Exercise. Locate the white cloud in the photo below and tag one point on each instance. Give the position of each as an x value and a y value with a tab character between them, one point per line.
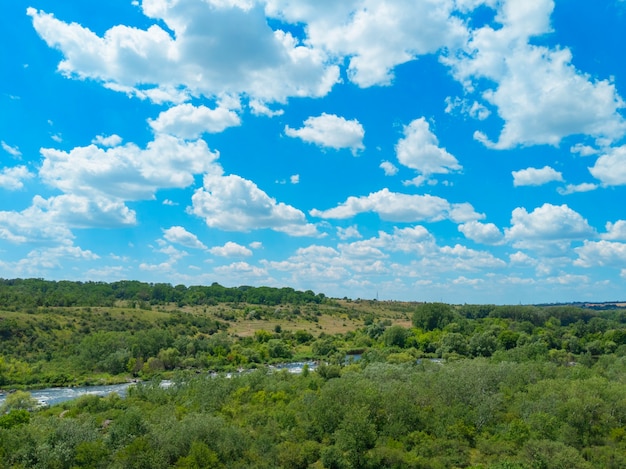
462	258
97	181
535	176
13	151
231	249
50	258
548	223
50	219
84	211
216	48
241	272
574	188
261	109
601	253
320	264
329	130
232	203
294	179
375	36
610	167
179	235
522	258
414	240
474	109
127	172
189	122
389	168
539	94
419	150
615	231
393	206
568	279
13	178
107	141
349	232
173	254
583	150
485	233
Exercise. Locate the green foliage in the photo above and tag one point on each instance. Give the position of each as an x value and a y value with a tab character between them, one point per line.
395	336
14	417
518	386
430	316
18	400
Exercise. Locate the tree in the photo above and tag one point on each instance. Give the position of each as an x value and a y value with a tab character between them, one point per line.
19	400
431	316
355	435
395	336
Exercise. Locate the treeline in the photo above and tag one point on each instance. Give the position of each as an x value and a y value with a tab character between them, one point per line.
24	293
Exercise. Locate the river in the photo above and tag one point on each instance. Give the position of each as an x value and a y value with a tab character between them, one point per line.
52	396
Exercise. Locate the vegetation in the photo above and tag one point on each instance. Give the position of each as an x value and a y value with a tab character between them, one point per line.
433	385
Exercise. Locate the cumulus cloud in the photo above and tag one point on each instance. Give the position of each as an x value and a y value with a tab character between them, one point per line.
233	203
601	253
389	168
261	109
583	150
349	232
610	167
485	233
329	130
55	257
535	176
96	182
127	172
179	235
13	178
50	219
294	179
84	211
419	150
189	122
521	258
374	36
539	94
615	231
107	141
215	48
416	240
231	249
393	206
240	272
32	224
574	188
547	223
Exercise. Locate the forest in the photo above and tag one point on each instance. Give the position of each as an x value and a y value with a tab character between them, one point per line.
397	384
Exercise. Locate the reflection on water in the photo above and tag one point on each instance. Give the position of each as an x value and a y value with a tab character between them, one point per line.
52	396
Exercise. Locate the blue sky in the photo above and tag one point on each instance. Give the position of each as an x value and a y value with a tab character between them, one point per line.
431	150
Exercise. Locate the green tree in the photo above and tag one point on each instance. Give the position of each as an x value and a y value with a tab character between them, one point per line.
19	400
431	316
395	336
355	435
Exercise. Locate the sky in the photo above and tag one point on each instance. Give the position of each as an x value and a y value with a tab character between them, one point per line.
464	151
